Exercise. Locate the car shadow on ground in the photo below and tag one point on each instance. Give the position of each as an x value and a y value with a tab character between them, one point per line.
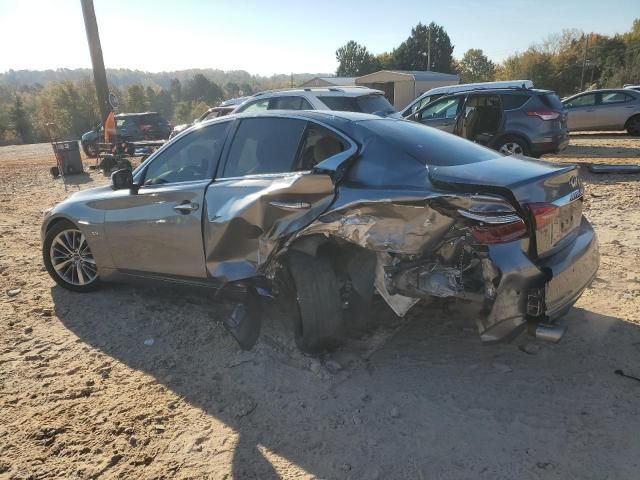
426	398
77	179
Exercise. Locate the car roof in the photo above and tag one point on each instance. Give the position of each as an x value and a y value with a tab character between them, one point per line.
501	91
350	91
139	114
605	90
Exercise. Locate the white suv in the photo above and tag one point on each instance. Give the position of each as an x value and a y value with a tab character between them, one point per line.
348	99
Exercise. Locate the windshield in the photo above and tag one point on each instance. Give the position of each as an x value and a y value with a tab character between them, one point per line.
374	103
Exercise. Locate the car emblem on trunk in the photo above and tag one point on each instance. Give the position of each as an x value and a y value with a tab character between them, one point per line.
573	181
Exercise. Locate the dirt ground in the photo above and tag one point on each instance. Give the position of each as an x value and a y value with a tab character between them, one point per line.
144	382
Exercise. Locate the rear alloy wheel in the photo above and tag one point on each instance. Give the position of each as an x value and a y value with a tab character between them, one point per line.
633	126
68	258
513	146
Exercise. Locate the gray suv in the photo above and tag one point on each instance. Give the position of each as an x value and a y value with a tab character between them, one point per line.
514	121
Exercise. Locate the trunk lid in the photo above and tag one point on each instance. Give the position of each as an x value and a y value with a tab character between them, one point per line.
525	183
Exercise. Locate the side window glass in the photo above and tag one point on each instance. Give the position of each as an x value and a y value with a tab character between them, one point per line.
190	158
289	103
614	97
258	106
264	145
319	144
441	110
583	101
511	102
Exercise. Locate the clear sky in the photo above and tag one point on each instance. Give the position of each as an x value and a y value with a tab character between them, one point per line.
267	37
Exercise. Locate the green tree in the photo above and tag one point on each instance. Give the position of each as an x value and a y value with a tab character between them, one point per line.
232	89
355	60
413	53
201	89
136	100
475	67
175	88
20	121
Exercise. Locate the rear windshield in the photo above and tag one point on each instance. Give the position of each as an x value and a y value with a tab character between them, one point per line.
375	103
551	100
428	145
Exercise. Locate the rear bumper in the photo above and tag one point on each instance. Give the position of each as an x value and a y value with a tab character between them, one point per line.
572	269
519	291
551	144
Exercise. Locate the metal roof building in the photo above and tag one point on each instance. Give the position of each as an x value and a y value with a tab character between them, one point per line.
330	82
402	86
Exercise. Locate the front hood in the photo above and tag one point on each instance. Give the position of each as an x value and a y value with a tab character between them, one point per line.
89	194
88	136
524	180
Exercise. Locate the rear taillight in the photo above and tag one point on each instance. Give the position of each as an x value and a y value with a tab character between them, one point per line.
543	213
499	233
545	114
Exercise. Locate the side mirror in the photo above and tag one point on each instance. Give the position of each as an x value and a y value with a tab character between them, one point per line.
122	179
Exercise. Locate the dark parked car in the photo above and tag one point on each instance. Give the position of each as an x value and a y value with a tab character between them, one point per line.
130	127
324	208
514	121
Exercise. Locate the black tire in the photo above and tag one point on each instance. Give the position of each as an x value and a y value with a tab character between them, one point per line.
55	172
107	164
90	150
53	232
513	145
318	327
633	126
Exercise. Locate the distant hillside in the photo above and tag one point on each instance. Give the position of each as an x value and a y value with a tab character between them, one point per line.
121	77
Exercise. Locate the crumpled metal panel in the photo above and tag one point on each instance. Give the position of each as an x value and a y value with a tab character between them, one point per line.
246	218
385	226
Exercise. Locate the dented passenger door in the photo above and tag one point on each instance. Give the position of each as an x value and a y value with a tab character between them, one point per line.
278	177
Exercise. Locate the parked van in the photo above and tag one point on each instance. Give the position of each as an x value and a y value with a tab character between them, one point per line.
435	93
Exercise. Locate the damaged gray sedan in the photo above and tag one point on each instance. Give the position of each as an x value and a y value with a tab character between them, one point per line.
329	209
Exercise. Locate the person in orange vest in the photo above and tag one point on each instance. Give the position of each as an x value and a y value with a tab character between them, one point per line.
110	132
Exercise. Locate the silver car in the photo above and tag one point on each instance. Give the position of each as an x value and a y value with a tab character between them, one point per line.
321	208
610	109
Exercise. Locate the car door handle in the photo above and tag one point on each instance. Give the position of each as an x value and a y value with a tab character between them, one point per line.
186	207
290	205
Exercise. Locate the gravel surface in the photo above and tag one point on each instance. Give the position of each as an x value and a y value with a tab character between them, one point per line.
144	382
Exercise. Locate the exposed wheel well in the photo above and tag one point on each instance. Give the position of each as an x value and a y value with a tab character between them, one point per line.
502	136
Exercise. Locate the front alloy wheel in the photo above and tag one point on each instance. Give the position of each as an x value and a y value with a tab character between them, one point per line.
68	258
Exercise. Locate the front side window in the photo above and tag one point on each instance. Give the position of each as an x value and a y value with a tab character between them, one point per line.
190	158
319	144
264	145
444	109
587	100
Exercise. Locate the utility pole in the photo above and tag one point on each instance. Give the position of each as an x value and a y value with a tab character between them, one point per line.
99	73
429	50
584	61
